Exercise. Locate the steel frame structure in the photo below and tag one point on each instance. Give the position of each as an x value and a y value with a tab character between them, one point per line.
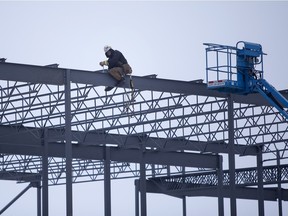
58	126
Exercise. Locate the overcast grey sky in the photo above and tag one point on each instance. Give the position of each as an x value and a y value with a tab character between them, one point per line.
164	38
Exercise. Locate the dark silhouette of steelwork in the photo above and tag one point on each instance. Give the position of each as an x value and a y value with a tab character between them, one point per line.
58	126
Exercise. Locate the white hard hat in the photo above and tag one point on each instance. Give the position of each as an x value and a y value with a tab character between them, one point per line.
107	48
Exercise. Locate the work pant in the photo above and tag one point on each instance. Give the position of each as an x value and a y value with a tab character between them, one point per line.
119	72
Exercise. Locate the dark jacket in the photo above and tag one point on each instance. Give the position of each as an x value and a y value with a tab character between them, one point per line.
116	59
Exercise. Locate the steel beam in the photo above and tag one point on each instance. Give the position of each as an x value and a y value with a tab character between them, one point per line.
220	176
45	171
231	156
279	189
240	193
184	206
261	208
15	198
39	206
143	197
20	176
269	194
28	136
118	154
31	73
55	76
107	182
68	145
136	184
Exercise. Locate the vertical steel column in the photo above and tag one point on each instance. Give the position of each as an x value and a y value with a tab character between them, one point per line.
153	170
143	186
45	191
260	183
39	199
184	198
136	182
231	156
68	145
184	205
168	171
107	183
279	185
220	186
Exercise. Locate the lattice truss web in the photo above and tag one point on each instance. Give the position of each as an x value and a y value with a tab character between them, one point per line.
146	114
244	177
83	170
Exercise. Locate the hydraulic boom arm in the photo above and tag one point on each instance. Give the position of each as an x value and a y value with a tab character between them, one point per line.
274	97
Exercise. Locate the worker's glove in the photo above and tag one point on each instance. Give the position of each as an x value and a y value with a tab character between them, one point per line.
102	63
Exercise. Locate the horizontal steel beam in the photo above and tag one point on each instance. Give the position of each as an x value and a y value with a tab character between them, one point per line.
269	194
20	176
31	73
92	152
55	76
32	137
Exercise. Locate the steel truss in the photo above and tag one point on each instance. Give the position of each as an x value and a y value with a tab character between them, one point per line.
167	121
24	168
244	177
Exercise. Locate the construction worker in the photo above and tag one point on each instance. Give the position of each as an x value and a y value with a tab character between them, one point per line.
117	64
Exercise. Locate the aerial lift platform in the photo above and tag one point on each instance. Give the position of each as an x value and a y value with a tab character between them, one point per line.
239	70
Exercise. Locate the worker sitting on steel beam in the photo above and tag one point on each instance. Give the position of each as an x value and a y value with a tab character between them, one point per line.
117	64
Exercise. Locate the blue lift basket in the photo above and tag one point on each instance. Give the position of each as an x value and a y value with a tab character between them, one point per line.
239	70
234	69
